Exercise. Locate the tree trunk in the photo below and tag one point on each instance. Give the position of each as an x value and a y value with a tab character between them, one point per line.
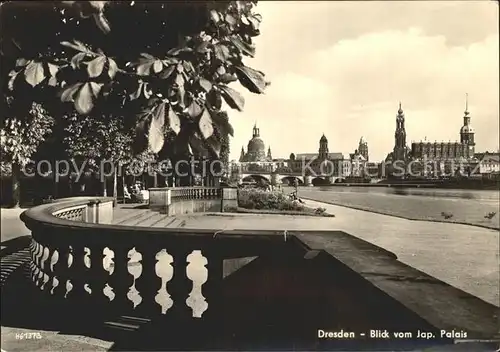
123	186
55	181
104	188
16	185
115	189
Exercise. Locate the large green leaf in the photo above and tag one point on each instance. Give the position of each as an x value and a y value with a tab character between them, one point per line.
95	67
194	109
221	52
157	66
84	99
77	59
144	66
174	121
205	124
67	94
167	72
34	73
112	69
205	84
234	99
156	136
245	48
214	144
214	99
251	79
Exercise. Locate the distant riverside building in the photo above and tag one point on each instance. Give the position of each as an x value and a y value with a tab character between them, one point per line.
448	150
488	163
255	159
320	162
363	149
439	157
401	152
358	160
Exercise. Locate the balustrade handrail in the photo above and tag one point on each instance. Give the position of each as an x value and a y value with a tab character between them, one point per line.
45	215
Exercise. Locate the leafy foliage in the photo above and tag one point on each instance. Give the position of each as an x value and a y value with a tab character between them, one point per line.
165	67
253	198
102	138
223	137
22	130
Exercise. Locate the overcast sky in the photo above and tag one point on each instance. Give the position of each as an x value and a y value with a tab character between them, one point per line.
341	68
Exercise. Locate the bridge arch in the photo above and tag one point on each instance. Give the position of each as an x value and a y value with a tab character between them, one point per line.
290	179
320	181
256	178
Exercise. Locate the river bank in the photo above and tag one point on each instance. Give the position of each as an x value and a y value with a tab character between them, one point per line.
462	209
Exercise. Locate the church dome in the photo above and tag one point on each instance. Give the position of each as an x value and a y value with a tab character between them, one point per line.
256	145
323	139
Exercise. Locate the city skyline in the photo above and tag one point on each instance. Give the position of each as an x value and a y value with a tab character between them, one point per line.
428	56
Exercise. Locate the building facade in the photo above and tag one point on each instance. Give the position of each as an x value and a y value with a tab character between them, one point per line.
448	150
321	163
428	159
488	163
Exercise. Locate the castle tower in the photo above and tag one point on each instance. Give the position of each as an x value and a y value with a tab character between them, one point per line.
467	132
399	152
323	148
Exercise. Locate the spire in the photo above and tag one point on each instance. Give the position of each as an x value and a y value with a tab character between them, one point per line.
400	110
242	155
466	104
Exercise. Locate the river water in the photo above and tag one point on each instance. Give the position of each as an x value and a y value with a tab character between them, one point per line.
474	207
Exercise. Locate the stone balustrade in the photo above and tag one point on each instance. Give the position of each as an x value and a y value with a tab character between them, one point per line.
185	200
77	254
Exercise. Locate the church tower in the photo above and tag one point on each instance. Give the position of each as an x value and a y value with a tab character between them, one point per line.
467	132
269	155
323	148
242	155
363	148
399	152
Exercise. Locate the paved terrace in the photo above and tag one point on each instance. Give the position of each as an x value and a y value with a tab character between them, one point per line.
463	256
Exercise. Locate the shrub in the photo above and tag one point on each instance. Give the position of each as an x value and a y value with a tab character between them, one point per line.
258	199
319	211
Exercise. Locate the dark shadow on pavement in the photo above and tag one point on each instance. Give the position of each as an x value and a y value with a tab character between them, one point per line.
14	245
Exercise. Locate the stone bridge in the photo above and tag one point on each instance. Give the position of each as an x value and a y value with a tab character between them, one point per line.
284	178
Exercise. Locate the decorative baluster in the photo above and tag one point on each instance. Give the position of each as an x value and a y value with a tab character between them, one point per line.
61	270
121	280
212	288
46	276
98	275
148	284
180	286
78	274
